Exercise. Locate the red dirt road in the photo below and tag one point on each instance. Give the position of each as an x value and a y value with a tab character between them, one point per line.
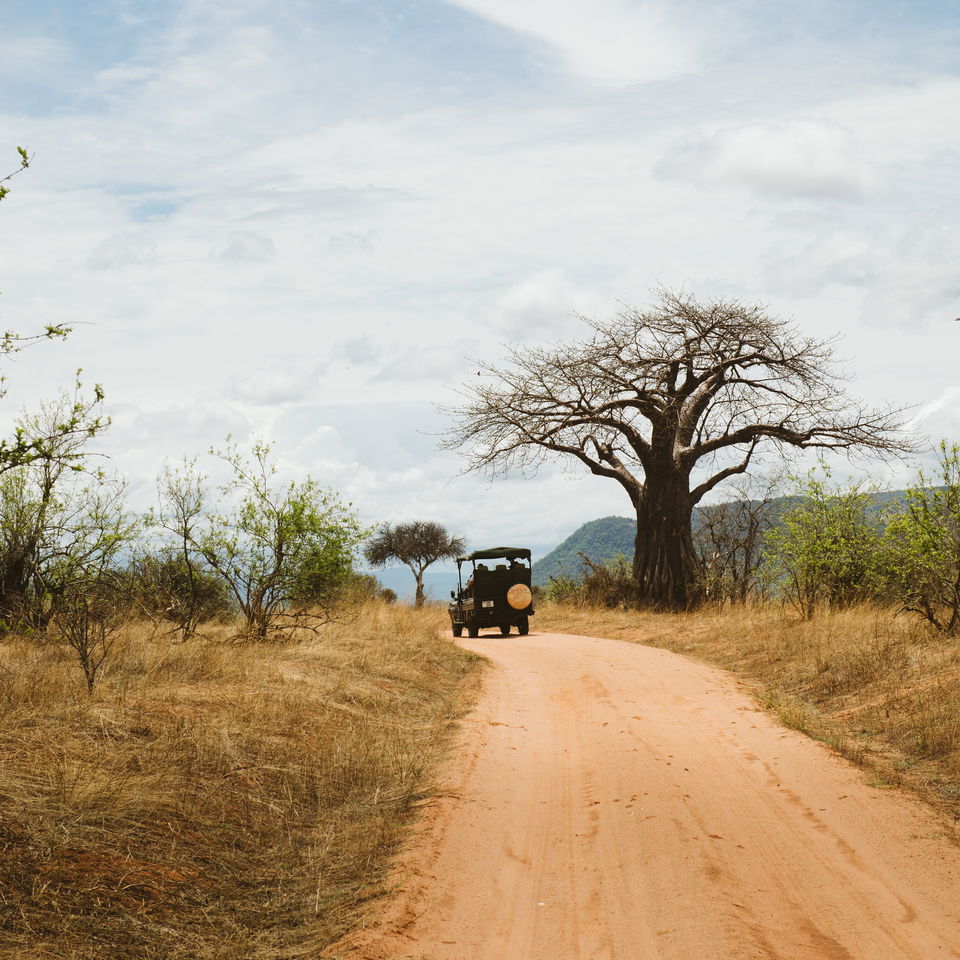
609	801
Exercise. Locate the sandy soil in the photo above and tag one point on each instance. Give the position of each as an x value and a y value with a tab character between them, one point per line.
609	800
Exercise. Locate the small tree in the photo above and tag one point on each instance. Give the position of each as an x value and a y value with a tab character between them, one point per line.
283	552
176	583
83	598
826	549
923	545
417	544
87	542
36	498
729	541
87	618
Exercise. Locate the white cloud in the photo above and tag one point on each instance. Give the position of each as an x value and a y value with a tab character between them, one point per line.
434	362
800	158
941	416
139	441
246	246
274	385
351	241
128	248
546	305
618	42
358	351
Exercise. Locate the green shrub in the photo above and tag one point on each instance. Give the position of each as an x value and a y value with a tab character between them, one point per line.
923	545
826	550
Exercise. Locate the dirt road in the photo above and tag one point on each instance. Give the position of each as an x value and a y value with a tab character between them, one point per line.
612	801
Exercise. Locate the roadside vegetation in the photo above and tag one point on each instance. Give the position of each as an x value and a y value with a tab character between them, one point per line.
213	730
215	798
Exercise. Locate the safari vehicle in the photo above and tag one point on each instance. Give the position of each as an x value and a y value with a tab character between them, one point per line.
496	594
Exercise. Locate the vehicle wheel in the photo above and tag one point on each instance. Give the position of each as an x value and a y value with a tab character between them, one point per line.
458	629
473	631
504	629
523	627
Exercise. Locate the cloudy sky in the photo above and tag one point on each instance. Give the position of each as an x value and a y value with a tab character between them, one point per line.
308	219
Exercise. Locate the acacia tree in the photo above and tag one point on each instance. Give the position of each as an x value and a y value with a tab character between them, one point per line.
418	544
669	402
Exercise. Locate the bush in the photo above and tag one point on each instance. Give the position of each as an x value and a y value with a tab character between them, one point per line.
608	584
87	618
826	550
363	587
923	545
166	586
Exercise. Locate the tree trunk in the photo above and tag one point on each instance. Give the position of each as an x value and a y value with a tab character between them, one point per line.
665	564
420	598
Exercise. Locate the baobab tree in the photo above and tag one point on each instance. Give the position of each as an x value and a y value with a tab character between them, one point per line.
417	544
668	402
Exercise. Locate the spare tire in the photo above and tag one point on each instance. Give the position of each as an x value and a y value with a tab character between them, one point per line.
519	596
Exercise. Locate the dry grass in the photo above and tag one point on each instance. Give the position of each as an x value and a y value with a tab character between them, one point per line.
883	690
214	799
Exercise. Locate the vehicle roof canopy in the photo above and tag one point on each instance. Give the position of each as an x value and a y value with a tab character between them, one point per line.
508	553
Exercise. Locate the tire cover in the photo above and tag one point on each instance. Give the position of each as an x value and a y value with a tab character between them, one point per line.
519	596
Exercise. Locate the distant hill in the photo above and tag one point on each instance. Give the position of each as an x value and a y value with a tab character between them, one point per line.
607	538
600	540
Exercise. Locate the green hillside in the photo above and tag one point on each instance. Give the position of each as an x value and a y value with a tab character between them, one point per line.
600	540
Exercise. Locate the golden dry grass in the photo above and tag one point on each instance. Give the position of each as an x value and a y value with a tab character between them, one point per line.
884	690
215	799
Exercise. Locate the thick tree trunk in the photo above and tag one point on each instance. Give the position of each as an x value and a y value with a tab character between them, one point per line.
665	564
420	598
